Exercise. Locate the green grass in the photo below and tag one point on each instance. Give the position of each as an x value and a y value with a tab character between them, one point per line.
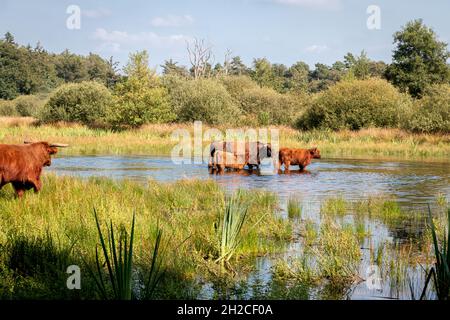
440	271
185	210
335	206
229	230
294	208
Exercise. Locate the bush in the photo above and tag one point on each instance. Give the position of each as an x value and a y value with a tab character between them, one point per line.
7	108
135	108
86	102
205	100
28	106
431	114
268	107
356	104
237	85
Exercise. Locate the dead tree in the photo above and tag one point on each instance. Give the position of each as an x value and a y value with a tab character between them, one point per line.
200	57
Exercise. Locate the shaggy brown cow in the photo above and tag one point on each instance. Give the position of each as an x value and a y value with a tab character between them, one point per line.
21	165
297	157
253	152
227	160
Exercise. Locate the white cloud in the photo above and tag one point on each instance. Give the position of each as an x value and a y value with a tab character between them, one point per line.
322	4
316	48
95	13
172	21
116	40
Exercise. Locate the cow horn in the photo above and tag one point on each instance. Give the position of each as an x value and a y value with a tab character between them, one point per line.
59	145
28	142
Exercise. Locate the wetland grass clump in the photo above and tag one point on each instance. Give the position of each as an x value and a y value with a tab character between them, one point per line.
338	253
335	206
235	215
330	262
294	208
440	271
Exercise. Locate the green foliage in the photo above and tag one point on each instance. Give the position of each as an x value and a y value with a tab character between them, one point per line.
29	106
7	108
266	106
86	102
419	59
356	104
431	114
206	100
140	98
25	70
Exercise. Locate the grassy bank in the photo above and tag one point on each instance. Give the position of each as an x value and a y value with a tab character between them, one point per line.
156	140
43	234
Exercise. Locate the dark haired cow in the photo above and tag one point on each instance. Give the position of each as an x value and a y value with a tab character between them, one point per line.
297	157
249	153
21	165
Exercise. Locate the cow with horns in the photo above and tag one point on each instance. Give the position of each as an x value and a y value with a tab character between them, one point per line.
21	165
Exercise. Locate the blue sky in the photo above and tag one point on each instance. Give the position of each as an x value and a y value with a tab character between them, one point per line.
284	31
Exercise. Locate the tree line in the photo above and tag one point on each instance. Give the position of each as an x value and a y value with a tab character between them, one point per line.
412	91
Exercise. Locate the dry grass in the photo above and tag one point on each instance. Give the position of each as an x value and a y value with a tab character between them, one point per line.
156	139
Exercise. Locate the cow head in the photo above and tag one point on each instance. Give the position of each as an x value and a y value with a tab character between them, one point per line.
46	150
315	153
265	150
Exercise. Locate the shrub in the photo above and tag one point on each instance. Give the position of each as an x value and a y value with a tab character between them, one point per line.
356	104
206	100
86	102
431	114
136	105
140	98
237	85
28	106
7	108
267	106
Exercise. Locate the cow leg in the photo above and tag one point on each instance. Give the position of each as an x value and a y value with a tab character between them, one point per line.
19	188
286	166
37	185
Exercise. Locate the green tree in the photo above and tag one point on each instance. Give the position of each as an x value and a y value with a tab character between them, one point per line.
419	59
140	98
71	67
298	77
263	72
171	67
237	67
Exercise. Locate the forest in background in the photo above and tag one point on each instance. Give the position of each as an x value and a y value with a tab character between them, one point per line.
412	92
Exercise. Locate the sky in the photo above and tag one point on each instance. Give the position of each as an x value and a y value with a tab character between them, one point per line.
283	31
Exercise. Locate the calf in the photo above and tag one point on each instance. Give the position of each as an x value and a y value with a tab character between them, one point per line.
223	160
297	157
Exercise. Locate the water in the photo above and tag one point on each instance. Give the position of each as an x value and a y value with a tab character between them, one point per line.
410	182
413	184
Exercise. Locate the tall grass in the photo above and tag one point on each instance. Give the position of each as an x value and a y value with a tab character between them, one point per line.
187	210
156	139
235	215
293	208
440	272
118	258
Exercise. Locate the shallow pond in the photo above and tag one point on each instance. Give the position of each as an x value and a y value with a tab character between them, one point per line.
412	184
